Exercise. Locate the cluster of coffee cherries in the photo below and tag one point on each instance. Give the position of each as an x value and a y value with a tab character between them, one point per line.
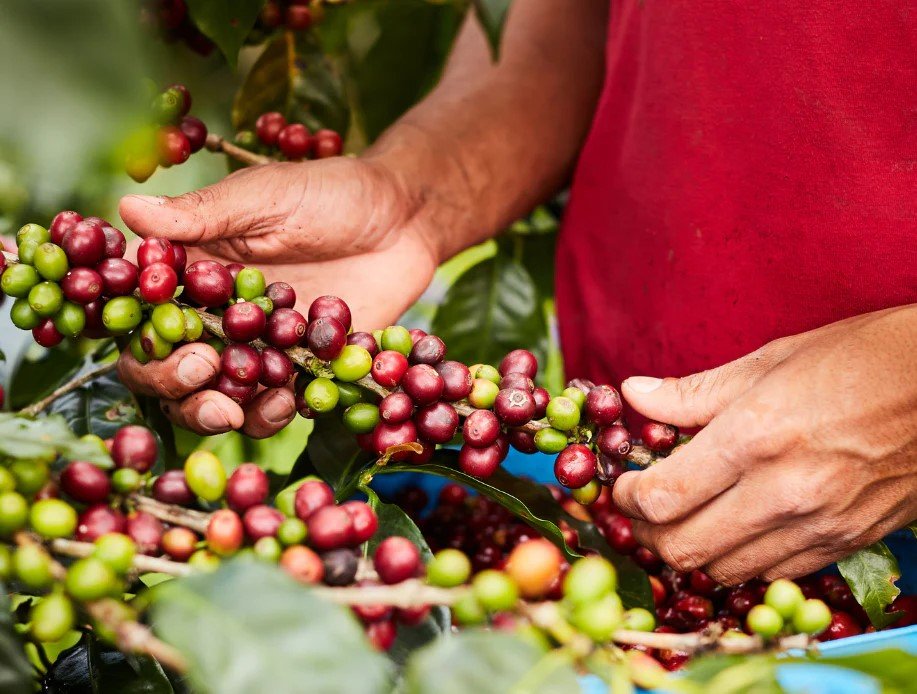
293	15
177	135
170	20
274	135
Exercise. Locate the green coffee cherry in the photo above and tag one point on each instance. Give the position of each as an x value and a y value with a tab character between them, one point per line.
599	620
52	618
265	304
205	475
23	316
249	283
169	322
448	568
121	315
487	372
589	579
51	262
377	336
52	518
268	549
136	348
96	441
70	319
361	418
321	395
167	107
397	337
588	493
550	440
46	298
765	621
246	139
32	566
563	414
639	619
18	280
26	251
350	394
292	531
784	596
90	579
352	364
31	475
7	481
126	480
576	395
14	512
468	611
116	550
152	342
286	498
204	560
194	328
34	233
494	590
483	393
811	617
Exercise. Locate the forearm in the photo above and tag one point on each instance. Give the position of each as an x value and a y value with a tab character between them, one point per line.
494	139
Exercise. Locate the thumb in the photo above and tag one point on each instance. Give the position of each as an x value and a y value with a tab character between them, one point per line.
693	400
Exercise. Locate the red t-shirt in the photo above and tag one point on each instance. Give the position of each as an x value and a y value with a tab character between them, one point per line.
751	173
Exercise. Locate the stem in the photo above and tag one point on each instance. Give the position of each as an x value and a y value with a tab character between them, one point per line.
176	515
142	563
215	143
410	593
68	387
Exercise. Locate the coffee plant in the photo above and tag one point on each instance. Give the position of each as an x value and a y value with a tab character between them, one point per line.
136	557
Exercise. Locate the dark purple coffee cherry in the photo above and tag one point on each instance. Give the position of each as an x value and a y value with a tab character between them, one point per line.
196	132
364	340
134	447
172	488
115	243
119	276
522	441
277	368
82	285
285	328
330	307
456	380
281	294
659	437
429	349
609	469
614	441
481	429
242	363
603	405
396	408
208	284
423	384
437	423
85	482
244	322
514	406
237	392
517	380
542	398
519	361
481	462
575	466
84	244
326	337
340	567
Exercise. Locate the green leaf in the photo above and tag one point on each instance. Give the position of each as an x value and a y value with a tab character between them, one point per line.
487	662
91	667
492	16
893	669
331	453
100	407
33	379
491	309
45	438
15	672
871	574
284	641
225	22
533	504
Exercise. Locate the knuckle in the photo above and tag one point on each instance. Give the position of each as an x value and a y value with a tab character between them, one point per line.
726	575
656	503
678	554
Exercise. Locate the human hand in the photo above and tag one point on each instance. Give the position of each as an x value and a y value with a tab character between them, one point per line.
339	226
809	452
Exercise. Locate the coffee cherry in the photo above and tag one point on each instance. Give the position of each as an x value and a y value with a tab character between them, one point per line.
448	568
22	315
396	408
119	277
261	521
321	395
277	368
350	394
205	475
575	466
85	482
437	423
194	327
70	319
155	250
247	486
600	619
659	437
82	285
172	145
241	363
534	566
519	361
292	531
456	380
517	380
281	295
514	406
134	447
495	591
7	481
398	339
387	435
195	132
310	496
811	617
204	561
237	392
249	283
146	531
168	106
842	626
481	462
481	429
84	244
330	527
562	413
32	235
340	567
614	442
550	441
268	127
428	350
61	224
483	393
764	620
365	522
52	518
52	618
50	261
396	559
542	398
326	337
169	322
179	543
603	405
423	384
294	141
361	418
31	475
46	298
785	597
121	315
208	284
90	579
330	307
298	17
467	611
352	364
389	368
172	488
588	580
18	280
364	340
32	566
14	511
588	493
151	342
244	322
302	564
224	532
326	143
98	520
285	328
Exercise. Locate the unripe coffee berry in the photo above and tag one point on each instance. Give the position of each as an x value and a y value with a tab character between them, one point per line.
267	549
172	145
398	339
448	568
562	413
534	566
550	440
811	617
14	511
639	619
121	315
495	591
396	559
169	322
292	531
483	393
52	618
784	596
589	579
765	621
588	493
116	550
46	298
361	418
302	564
205	475
352	364
53	518
17	280
32	566
179	543
51	261
600	619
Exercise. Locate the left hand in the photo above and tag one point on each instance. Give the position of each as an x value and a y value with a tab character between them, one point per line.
809	452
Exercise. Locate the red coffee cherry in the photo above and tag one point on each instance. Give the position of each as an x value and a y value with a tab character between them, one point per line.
46	334
396	559
364	340
330	527
371	613
437	423
522	441
242	363
171	487
396	408
298	17
134	447
519	361
261	521
234	269
247	486
381	635
285	328
181	260
659	437
294	141
146	531
310	496
185	96
542	397
389	368
481	429
326	337
62	223
224	532
208	283
575	466
387	435
85	482
514	406
119	277
115	243
268	127
482	462
158	283
326	143
452	494
456	380
620	534
365	522
237	392
244	322
99	520
82	285
173	146
416	334
281	295
179	543
155	250
603	405
517	380
84	244
423	384
614	441
195	131
302	564
330	307
429	349
277	368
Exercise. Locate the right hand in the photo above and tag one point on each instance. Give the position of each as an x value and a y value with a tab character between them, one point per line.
341	226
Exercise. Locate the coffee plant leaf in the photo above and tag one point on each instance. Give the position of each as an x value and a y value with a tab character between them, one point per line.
15	672
34	378
90	667
894	671
283	641
492	16
225	23
871	574
99	407
533	504
45	438
487	662
491	309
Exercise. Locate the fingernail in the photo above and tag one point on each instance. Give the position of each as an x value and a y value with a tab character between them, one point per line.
643	384
277	408
212	417
194	370
153	200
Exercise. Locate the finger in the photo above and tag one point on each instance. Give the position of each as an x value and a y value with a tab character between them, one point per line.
187	369
763	554
269	412
802	564
679	484
205	412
